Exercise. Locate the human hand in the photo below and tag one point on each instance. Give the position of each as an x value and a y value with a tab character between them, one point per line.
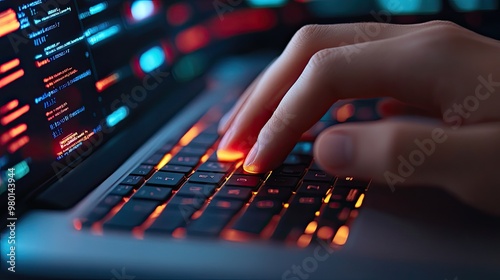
436	68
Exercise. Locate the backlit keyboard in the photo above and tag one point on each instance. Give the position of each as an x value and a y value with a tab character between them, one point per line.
183	190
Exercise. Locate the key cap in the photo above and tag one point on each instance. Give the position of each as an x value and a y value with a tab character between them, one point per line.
196	190
132	214
177	169
301	211
143	170
297	159
154	159
291	170
275	193
244	181
122	190
192	151
345	194
224	205
330	214
169	220
209	224
239	193
166	179
134	181
305	204
314	188
206	178
154	193
165	148
280	181
265	205
349	182
101	210
204	140
180	201
218	167
184	161
252	223
318	176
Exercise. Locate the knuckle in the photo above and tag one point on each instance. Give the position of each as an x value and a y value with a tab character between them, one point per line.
320	60
304	35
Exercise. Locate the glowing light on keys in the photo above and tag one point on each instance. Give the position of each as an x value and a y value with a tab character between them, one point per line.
410	6
142	9
192	39
13	133
229	156
16	114
117	116
267	3
110	80
190	135
360	201
9	106
9	65
12	77
311	227
22	168
8	22
341	236
164	161
325	232
152	59
304	240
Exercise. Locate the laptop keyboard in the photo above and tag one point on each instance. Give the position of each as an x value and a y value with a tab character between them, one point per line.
183	190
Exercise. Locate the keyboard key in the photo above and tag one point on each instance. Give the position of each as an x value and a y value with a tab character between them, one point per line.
165	148
301	211
261	205
314	189
184	161
192	151
244	181
204	140
155	193
122	190
331	213
209	224
154	159
134	181
177	169
349	182
280	181
143	170
196	190
275	193
166	179
252	223
305	204
169	220
132	214
318	176
291	170
219	167
345	194
303	148
206	178
239	193
224	205
181	201
297	160
102	209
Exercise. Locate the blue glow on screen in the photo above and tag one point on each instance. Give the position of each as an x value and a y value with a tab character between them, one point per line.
474	5
142	9
267	3
152	59
410	6
117	116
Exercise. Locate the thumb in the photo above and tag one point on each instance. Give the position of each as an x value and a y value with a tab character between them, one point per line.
404	152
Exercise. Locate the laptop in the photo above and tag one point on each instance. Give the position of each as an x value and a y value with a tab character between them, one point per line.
109	170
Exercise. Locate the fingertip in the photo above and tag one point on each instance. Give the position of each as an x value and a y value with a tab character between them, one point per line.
333	150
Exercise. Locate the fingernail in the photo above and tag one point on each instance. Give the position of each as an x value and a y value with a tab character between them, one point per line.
336	150
249	164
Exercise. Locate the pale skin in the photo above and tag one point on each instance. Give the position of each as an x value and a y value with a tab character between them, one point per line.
447	77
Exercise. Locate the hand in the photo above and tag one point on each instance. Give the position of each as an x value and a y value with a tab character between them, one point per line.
436	68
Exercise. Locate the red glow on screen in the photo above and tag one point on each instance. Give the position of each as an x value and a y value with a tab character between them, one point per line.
242	22
12	77
192	39
13	133
9	106
110	80
16	114
8	22
9	65
178	14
